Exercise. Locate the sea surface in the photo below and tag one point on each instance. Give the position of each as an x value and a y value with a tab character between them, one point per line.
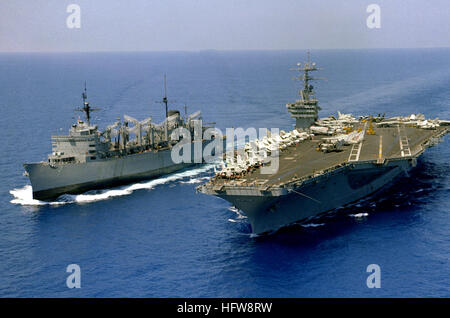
160	238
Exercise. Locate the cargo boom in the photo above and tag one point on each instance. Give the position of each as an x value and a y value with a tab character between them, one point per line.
89	159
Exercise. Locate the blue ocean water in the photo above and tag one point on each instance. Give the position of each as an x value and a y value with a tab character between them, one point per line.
161	239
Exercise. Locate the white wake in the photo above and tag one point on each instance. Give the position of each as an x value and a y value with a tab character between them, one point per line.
24	195
312	224
359	215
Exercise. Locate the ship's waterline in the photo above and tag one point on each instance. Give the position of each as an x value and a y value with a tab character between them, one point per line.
164	240
267	214
24	195
49	182
89	159
323	163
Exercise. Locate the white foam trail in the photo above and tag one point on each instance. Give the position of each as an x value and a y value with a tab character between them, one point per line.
239	214
359	215
24	196
312	224
195	180
231	220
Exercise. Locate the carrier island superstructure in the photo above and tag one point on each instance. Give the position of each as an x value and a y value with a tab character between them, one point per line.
323	163
89	159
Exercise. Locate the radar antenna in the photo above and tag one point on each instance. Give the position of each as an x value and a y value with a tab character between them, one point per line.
308	90
305	110
87	109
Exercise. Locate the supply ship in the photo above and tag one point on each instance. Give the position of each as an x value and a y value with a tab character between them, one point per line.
88	158
323	163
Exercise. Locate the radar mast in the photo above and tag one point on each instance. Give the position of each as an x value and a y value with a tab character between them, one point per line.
305	110
87	109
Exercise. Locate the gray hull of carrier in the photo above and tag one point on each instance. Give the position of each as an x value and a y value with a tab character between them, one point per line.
323	163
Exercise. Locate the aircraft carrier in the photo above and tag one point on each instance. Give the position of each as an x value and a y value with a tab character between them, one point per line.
88	158
323	163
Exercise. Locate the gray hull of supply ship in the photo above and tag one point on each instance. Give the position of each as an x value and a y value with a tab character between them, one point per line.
51	180
323	164
88	159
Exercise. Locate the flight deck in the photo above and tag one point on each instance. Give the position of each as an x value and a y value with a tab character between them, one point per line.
305	160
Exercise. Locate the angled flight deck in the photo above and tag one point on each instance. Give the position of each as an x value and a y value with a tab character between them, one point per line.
323	163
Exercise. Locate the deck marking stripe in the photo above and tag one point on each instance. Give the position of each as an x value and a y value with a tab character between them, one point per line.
358	152
380	150
404	143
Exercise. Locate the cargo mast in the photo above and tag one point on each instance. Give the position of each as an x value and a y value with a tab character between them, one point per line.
87	109
165	101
